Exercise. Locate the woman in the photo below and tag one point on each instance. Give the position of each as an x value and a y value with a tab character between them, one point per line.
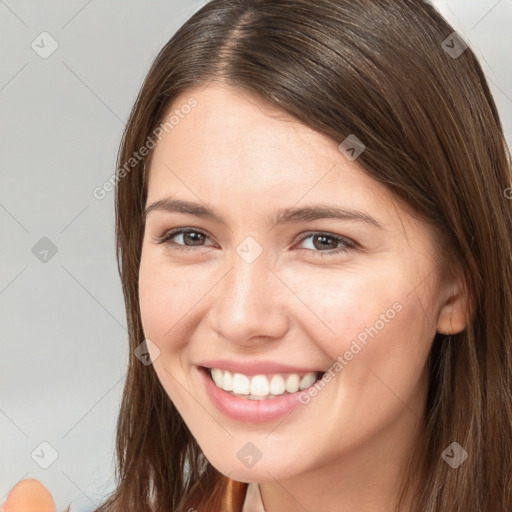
314	241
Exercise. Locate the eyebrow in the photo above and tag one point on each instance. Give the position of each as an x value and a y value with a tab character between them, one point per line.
284	215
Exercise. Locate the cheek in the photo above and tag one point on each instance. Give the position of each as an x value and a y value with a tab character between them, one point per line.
162	305
370	315
166	295
378	354
341	303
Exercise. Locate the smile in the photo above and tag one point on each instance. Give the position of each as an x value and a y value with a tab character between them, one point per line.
263	386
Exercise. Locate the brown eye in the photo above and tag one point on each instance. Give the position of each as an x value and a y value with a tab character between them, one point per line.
325	244
182	238
193	237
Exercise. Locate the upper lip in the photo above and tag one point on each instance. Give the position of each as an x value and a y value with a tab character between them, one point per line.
255	367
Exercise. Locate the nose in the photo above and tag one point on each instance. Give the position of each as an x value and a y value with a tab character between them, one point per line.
249	303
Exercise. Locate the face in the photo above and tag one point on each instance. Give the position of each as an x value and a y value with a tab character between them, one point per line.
237	281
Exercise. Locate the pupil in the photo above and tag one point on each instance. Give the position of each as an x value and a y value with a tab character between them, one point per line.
323	238
193	235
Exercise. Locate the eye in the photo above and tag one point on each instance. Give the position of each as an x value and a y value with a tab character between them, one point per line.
334	243
190	238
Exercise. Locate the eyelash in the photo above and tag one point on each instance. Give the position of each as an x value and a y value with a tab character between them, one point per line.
347	247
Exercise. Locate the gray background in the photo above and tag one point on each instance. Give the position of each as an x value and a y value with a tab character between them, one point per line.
63	328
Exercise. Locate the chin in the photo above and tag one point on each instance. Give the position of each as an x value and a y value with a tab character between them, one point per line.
262	471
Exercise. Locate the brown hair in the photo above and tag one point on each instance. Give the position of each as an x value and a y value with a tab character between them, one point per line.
377	69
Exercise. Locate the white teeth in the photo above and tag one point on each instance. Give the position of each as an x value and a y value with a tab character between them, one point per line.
241	384
307	380
277	385
217	376
227	382
258	387
292	383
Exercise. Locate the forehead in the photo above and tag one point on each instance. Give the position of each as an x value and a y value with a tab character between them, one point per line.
233	137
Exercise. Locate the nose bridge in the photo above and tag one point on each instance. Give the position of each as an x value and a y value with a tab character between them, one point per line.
247	304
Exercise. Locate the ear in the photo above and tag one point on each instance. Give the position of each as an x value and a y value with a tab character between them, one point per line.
453	314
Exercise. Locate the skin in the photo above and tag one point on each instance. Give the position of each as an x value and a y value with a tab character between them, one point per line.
346	448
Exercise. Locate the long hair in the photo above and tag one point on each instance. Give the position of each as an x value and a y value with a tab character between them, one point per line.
383	71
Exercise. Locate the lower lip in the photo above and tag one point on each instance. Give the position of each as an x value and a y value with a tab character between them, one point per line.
245	409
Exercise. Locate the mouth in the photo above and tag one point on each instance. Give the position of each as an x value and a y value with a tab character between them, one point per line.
262	386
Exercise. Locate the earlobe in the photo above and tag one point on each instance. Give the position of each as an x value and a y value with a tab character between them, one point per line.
452	317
